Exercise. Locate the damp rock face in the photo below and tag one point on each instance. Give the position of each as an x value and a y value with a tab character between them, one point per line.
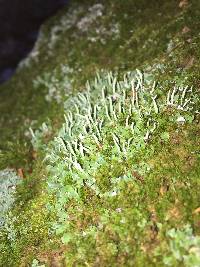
101	122
20	21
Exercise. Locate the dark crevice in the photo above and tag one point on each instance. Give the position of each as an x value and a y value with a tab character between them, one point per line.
20	21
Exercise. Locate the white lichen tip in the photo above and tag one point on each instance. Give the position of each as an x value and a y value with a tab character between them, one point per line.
180	120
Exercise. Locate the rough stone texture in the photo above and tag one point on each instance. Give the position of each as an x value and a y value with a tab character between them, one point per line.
147	212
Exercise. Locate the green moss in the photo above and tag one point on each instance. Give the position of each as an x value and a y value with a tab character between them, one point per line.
130	228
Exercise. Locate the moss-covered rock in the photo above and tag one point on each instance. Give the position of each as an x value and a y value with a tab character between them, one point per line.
115	181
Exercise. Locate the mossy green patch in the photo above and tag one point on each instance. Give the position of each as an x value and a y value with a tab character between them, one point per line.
109	205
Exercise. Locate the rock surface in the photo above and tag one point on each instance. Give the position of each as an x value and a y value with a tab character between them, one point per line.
101	124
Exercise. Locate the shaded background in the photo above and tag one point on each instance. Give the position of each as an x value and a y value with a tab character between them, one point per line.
19	25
